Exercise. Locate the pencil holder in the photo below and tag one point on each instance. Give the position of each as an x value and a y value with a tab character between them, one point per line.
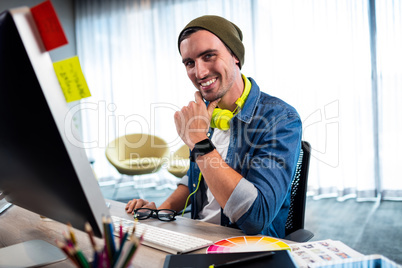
113	253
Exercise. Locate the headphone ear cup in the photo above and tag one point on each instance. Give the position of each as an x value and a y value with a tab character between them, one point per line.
221	119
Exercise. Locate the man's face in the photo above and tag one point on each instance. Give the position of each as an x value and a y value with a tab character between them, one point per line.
209	64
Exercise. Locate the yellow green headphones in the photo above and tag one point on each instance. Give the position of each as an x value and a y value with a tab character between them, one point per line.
221	117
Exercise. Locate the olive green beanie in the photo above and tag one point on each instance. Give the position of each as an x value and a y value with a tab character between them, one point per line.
227	31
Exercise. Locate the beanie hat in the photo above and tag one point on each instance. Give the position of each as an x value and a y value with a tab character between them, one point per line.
225	30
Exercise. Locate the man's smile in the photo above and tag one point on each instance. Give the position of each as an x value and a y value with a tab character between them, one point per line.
208	83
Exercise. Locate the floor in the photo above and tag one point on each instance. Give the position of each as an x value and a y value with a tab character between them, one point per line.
367	227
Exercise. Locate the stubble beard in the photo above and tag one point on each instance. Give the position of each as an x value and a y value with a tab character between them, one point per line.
213	98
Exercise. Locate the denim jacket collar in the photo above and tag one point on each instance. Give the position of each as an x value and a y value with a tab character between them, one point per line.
246	114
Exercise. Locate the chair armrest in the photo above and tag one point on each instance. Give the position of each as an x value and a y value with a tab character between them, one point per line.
301	235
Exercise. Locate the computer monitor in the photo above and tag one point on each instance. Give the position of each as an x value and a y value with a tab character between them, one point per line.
40	169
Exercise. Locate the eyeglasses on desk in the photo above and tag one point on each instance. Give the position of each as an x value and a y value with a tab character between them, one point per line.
161	214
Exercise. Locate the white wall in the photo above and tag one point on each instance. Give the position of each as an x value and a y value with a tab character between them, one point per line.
65	12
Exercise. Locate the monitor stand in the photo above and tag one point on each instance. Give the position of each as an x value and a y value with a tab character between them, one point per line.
4	205
32	253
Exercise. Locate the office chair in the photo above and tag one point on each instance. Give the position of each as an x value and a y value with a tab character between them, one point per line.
136	154
294	228
179	163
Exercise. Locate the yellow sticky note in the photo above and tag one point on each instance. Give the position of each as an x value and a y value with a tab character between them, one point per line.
71	79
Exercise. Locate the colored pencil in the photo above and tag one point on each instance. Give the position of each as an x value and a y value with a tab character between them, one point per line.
72	234
81	258
90	233
69	253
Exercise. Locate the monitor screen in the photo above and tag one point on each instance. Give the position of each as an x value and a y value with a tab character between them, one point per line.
40	169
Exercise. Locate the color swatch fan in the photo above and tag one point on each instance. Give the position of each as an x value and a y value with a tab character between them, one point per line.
247	244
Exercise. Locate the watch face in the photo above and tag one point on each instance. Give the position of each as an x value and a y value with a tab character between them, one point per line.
204	146
201	148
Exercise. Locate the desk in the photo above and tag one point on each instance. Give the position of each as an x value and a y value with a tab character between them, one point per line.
19	225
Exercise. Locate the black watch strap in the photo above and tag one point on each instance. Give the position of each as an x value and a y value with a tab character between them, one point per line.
201	148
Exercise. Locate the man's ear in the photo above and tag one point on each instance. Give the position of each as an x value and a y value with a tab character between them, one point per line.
236	59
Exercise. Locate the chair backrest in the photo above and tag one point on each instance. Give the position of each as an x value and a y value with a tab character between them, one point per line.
182	152
295	220
137	145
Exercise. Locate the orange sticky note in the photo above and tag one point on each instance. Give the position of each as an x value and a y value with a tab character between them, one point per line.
49	26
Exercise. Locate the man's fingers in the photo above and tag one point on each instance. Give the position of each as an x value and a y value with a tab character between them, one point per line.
138	203
130	205
198	97
179	122
150	205
212	105
141	203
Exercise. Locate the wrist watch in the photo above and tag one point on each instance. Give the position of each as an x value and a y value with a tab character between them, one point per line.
201	148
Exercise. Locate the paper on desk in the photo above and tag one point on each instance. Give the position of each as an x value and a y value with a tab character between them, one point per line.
71	79
319	252
370	261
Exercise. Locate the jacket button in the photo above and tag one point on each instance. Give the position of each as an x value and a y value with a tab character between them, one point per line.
194	185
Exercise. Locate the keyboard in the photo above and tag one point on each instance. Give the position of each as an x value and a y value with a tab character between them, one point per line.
160	238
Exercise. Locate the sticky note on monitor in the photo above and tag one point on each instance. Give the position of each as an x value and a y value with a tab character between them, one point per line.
71	79
49	26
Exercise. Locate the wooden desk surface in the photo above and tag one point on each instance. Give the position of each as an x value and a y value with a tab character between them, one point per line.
19	225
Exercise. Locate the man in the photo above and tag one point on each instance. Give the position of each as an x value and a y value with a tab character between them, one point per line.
247	166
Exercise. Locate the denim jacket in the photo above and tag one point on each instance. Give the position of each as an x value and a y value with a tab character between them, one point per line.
265	140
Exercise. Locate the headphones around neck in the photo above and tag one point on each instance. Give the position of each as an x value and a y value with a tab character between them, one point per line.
221	117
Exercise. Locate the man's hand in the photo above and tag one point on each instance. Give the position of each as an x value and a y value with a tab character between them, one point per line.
139	203
192	122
